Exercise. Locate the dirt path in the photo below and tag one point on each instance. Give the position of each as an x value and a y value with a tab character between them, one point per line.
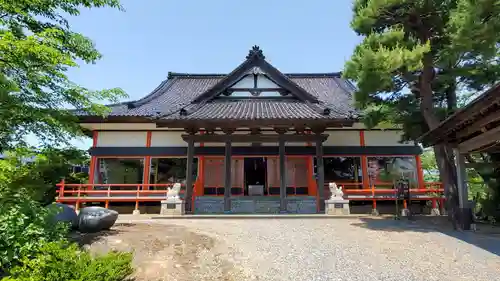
168	252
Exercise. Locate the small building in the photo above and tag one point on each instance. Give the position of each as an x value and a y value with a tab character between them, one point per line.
475	128
255	140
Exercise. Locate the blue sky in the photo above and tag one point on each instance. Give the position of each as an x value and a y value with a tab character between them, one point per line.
141	45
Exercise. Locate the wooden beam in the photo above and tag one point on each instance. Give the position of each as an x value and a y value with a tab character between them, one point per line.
189	177
420	172
227	178
320	171
255	138
255	89
282	176
364	162
147	162
480	141
327	122
476	126
483	165
93	159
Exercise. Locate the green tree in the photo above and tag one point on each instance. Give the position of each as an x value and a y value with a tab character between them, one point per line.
415	57
37	47
476	185
25	224
40	171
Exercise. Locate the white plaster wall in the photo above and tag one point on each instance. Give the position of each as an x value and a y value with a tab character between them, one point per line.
119	126
384	138
263	82
342	138
246	82
173	139
214	144
121	139
298	143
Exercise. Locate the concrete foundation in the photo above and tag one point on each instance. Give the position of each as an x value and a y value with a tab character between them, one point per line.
375	212
255	205
136	212
172	207
337	207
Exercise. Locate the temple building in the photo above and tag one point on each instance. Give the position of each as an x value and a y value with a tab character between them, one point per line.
255	140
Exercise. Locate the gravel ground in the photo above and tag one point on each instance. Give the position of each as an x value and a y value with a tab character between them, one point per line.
334	249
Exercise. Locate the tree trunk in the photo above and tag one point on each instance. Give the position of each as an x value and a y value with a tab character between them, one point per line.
448	177
443	153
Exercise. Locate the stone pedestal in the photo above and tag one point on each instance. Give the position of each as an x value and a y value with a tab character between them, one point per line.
172	207
136	212
337	207
375	212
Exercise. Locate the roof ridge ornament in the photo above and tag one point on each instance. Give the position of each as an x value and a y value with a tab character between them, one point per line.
255	52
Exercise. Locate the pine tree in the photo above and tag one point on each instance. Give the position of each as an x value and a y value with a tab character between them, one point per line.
416	58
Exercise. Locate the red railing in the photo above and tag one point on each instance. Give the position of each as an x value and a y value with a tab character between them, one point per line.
433	192
81	193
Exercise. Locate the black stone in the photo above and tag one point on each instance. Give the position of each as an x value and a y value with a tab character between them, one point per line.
66	214
95	219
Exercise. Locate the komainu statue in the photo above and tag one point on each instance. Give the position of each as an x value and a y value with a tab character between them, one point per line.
336	192
173	192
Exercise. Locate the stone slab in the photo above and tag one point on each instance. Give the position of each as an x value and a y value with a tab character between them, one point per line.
337	207
172	207
209	205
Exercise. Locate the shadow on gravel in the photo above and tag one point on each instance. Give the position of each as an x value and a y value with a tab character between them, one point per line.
487	237
83	239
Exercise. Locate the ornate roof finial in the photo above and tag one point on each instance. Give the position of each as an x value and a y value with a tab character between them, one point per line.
255	52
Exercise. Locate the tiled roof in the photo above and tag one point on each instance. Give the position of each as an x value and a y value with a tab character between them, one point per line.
180	90
252	109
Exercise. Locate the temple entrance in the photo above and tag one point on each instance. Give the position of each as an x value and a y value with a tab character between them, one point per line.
255	176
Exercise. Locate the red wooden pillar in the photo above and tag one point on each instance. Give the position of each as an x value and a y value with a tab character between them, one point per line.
420	172
93	161
147	164
364	161
312	188
199	185
364	169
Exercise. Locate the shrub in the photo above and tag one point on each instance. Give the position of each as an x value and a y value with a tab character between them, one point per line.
23	228
24	223
32	245
60	261
38	172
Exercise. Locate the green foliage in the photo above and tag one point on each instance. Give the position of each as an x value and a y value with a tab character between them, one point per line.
24	223
37	47
475	182
24	226
38	172
413	46
482	179
57	261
